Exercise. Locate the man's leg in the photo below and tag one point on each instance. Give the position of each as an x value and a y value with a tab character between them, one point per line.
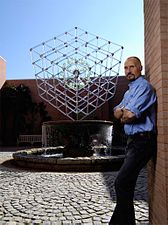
139	151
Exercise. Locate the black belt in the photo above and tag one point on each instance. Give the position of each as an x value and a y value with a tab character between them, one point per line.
143	134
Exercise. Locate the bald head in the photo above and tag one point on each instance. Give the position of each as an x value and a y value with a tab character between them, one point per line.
132	68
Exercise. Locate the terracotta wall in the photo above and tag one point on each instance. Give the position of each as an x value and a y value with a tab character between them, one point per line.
156	64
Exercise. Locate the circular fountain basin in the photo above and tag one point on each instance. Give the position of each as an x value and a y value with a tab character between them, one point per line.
72	146
36	158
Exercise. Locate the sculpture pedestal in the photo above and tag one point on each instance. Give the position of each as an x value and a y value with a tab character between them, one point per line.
79	138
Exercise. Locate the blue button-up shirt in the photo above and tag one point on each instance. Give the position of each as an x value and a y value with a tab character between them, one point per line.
140	99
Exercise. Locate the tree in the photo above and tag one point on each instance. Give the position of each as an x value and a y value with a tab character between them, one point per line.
19	113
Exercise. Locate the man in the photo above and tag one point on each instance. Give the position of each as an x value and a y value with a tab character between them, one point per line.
137	112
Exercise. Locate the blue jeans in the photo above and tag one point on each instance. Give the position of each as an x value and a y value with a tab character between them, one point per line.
139	150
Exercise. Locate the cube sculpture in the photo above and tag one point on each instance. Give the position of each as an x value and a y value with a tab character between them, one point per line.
76	72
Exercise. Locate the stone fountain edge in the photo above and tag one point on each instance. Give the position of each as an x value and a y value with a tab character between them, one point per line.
25	158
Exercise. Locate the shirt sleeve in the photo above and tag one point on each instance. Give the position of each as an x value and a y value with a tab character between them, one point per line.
142	98
122	103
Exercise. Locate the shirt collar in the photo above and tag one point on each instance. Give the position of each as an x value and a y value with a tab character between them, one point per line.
135	82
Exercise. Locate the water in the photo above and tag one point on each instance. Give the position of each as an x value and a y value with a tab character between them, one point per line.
56	155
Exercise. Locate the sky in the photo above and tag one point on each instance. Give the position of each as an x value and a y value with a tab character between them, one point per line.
27	23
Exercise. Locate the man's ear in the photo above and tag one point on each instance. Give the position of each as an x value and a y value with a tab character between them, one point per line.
141	67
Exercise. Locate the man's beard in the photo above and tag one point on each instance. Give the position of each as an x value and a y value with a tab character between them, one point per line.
132	77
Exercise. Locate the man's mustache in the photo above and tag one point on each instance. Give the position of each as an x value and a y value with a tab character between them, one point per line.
130	73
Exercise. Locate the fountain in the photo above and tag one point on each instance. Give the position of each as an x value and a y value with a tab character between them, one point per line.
76	72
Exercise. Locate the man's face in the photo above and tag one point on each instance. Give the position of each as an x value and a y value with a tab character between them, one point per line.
132	69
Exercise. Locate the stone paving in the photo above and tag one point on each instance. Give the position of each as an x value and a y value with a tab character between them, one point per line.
55	198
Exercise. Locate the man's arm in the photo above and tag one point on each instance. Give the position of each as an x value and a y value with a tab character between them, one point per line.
118	113
127	116
124	115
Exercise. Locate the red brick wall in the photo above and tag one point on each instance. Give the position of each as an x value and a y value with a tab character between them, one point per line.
156	65
103	113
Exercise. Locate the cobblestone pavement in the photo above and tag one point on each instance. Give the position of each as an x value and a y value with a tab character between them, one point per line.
31	197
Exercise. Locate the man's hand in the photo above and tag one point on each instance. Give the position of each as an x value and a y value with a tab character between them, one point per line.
127	116
118	113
